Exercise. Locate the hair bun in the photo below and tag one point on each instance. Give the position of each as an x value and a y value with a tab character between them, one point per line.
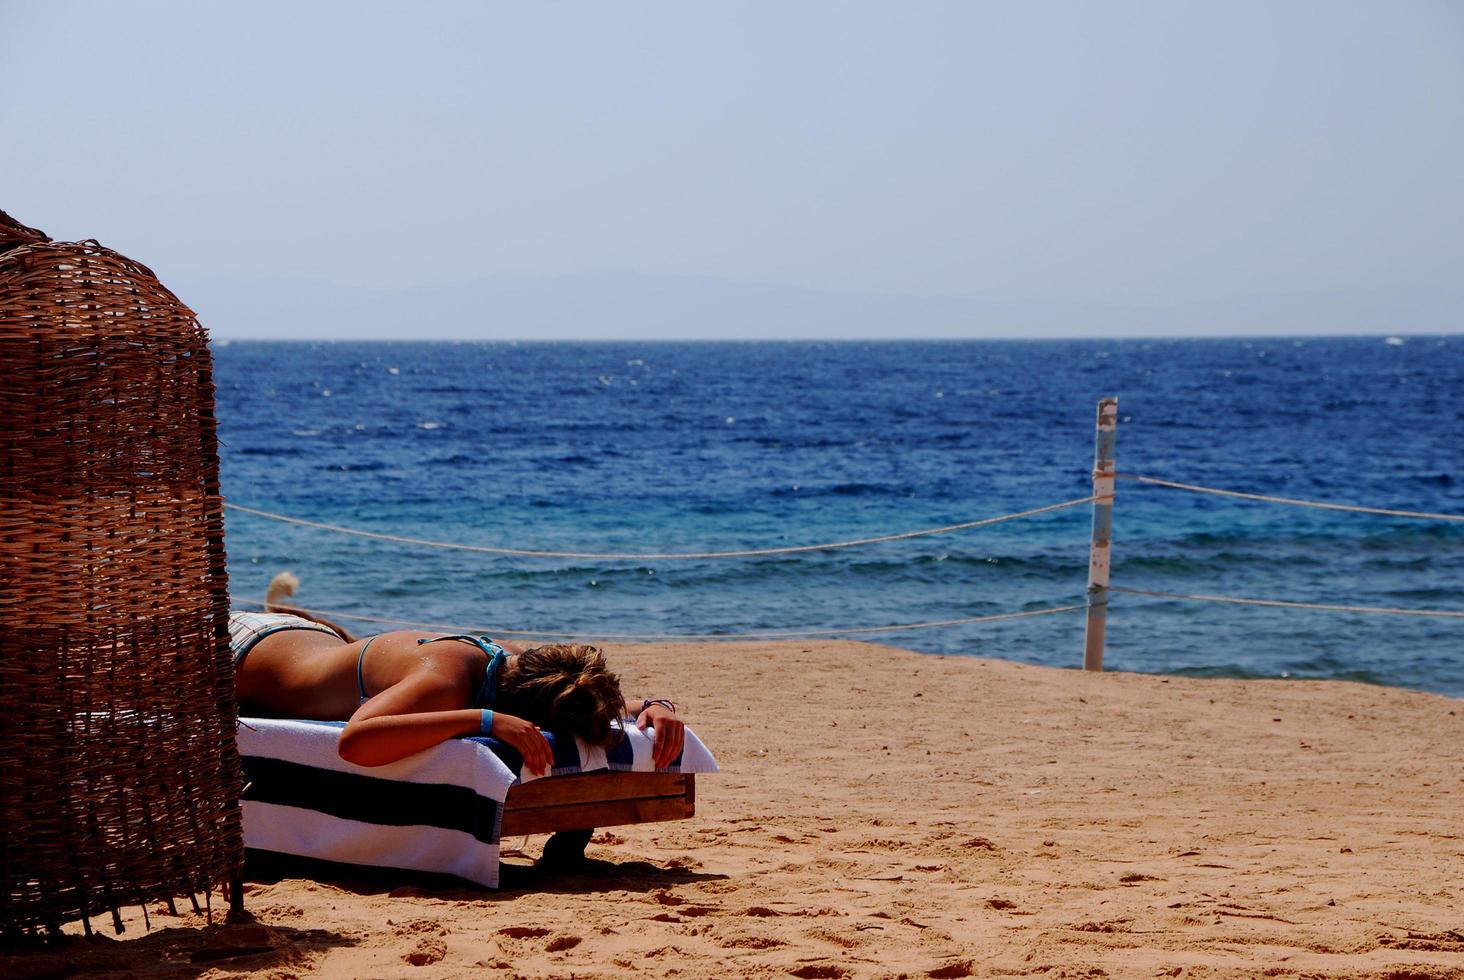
567	687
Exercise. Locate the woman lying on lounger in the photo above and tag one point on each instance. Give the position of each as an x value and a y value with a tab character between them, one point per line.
402	692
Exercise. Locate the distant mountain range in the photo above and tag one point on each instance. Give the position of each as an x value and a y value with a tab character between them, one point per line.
627	305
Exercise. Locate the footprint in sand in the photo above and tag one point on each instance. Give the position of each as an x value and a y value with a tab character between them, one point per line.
835	938
1111	925
820	971
882	844
697	911
558	944
281	912
429	950
430	947
1451	941
750	942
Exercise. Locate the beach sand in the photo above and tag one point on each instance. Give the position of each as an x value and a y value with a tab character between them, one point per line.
884	813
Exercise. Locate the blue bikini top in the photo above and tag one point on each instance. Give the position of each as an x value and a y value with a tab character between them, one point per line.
488	692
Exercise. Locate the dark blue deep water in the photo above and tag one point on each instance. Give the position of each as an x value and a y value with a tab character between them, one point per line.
712	446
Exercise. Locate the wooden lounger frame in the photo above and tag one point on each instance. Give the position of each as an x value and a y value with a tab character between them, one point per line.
586	800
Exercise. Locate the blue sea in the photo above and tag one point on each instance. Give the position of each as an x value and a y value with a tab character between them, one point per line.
669	447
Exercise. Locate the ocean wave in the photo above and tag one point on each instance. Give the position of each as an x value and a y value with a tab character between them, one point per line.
1235	671
456	459
785	443
1454	595
1419	564
368	466
837	490
1372	535
1294	672
1184	564
265	451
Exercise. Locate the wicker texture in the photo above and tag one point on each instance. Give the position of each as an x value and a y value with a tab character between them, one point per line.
119	773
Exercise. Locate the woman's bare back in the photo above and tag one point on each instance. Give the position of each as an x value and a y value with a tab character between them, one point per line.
310	674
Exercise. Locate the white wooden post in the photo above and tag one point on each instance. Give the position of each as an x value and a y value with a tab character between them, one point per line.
1100	553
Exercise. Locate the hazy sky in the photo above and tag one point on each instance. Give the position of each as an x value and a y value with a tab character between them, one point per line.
1226	167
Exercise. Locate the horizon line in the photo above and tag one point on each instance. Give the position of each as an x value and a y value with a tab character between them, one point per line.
1383	335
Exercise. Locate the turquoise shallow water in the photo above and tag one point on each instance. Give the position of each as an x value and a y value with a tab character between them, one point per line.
675	447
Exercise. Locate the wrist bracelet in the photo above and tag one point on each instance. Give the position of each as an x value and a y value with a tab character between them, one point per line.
662	701
485	723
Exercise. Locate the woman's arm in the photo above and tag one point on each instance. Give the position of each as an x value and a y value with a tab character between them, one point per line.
425	709
380	739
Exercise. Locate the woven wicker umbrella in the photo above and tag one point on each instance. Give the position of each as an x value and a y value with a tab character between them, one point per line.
119	774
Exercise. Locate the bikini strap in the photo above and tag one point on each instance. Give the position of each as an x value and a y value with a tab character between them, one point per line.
360	669
488	690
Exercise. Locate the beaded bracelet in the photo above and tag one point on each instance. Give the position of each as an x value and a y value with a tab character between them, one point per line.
662	701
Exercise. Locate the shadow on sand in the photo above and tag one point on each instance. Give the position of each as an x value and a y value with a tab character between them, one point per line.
180	951
583	877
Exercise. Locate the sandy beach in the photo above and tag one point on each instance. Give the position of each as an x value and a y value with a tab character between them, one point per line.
882	813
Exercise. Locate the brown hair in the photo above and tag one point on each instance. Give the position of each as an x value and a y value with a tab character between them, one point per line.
565	687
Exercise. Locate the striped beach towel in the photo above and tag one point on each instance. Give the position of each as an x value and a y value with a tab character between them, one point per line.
438	810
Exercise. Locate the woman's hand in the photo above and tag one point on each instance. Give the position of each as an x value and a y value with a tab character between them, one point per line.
670	733
526	737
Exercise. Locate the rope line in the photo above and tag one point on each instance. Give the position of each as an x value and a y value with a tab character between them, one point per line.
1420	515
760	635
655	556
1447	613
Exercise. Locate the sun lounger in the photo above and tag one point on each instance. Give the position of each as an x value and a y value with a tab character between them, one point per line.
445	809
